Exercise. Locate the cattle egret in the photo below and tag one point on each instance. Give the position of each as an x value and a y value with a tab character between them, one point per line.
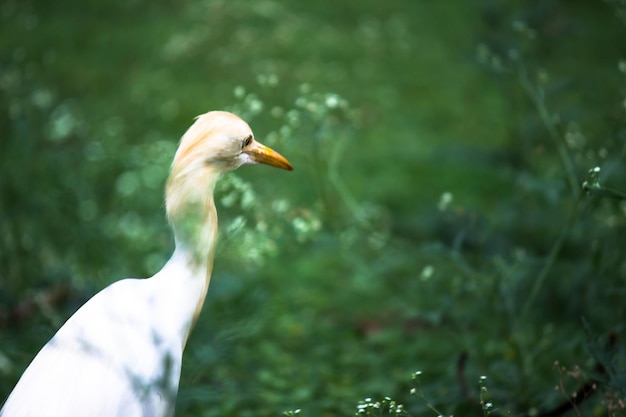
120	354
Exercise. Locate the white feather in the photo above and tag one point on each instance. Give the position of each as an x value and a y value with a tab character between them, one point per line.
119	354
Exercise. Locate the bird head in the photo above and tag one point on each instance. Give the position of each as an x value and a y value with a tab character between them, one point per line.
223	142
216	143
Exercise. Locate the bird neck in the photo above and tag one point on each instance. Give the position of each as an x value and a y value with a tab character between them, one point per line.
191	211
192	214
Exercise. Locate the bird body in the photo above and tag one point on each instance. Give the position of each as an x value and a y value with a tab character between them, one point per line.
120	354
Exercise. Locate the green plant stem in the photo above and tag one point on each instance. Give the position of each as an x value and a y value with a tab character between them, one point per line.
336	181
420	394
537	96
549	263
604	192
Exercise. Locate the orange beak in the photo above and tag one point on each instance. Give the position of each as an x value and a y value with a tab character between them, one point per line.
264	155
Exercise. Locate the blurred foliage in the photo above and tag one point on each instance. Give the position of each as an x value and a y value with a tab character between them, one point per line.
437	210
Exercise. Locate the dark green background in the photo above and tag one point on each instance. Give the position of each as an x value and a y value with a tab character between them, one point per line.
337	281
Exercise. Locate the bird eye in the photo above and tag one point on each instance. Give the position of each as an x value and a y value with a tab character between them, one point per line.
246	141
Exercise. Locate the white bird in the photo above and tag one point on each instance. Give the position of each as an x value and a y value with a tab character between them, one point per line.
120	354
